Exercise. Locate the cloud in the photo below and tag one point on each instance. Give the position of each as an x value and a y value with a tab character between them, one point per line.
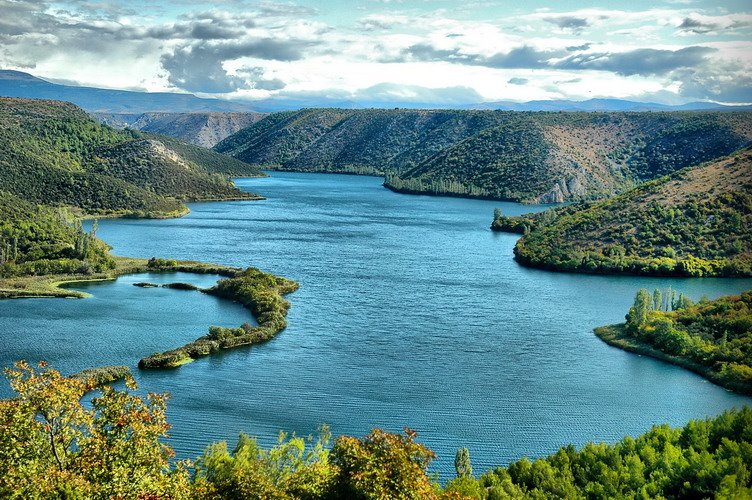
717	84
518	81
523	57
572	24
200	67
697	24
381	22
645	62
255	78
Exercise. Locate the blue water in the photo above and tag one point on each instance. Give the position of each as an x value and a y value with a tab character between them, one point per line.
411	312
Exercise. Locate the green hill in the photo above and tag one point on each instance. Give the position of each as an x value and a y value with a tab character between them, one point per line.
53	153
521	156
35	239
694	222
712	338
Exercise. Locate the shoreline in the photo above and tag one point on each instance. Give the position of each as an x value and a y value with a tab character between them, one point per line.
51	285
615	336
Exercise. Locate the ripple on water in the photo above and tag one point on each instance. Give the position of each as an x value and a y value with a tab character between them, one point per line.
410	313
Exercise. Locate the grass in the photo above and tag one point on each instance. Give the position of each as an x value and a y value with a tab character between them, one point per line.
52	285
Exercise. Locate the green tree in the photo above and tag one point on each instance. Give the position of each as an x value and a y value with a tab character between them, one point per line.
383	466
638	313
462	464
657	300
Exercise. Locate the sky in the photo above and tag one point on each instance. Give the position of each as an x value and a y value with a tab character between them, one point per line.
413	51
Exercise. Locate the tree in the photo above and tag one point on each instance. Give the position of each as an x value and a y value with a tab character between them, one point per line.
497	214
462	463
656	300
51	445
638	313
383	466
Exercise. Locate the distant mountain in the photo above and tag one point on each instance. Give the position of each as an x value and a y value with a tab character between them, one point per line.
694	222
603	105
19	84
201	129
522	156
127	104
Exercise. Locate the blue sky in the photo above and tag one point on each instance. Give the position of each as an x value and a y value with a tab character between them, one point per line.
412	51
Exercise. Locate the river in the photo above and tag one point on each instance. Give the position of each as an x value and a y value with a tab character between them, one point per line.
411	312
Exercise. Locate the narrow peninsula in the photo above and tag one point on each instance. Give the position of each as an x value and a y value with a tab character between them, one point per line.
712	338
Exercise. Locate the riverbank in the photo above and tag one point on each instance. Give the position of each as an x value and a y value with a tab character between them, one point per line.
618	336
261	293
51	285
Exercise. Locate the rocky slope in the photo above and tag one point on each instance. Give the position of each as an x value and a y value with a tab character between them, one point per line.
201	129
534	157
694	222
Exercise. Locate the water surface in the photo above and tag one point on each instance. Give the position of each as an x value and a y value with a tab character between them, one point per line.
411	312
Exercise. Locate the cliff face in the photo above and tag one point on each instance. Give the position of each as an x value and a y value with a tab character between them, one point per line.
201	129
534	157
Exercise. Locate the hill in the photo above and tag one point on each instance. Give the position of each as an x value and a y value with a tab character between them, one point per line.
201	129
694	222
532	157
24	85
53	153
712	338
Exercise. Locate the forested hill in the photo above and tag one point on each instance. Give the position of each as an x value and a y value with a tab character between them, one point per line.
521	156
53	153
694	222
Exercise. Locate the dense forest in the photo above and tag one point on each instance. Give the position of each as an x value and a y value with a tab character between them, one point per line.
35	239
520	156
54	446
53	153
694	222
712	337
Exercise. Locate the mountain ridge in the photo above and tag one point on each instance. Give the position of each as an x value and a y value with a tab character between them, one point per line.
539	157
20	84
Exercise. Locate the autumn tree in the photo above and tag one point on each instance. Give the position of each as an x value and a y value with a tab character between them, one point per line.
51	445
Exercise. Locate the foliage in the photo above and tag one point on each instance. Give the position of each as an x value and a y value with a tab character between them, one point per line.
260	292
150	165
462	463
53	153
383	466
547	157
294	468
670	226
707	458
208	160
36	240
55	447
715	335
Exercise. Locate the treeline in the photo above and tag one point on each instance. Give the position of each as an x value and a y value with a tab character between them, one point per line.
713	337
260	292
53	446
37	240
695	222
522	156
